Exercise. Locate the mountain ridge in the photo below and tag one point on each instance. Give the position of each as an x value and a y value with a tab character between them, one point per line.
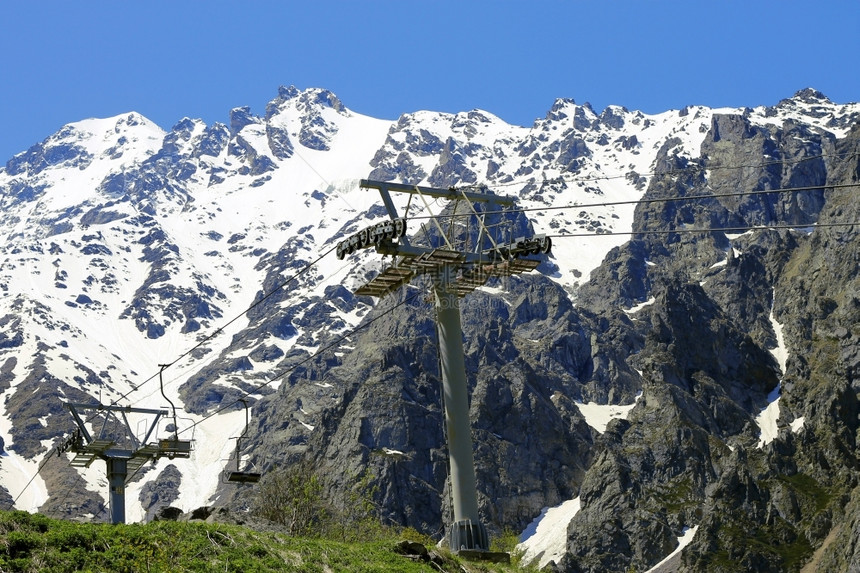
122	248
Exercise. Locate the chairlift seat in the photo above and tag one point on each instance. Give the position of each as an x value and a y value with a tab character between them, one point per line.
173	448
240	476
243	477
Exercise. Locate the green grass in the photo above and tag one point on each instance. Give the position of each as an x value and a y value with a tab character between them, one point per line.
778	543
32	542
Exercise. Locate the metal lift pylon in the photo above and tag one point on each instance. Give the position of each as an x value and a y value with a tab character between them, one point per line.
121	459
455	273
467	531
121	450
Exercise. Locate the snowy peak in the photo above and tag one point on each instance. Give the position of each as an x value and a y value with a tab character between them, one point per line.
444	149
613	117
309	99
310	117
812	107
241	117
78	144
312	101
565	110
809	96
56	177
184	138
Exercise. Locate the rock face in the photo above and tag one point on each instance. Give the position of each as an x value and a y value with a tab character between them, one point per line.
702	290
157	495
688	454
390	425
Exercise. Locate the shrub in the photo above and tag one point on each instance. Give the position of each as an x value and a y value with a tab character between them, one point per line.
292	497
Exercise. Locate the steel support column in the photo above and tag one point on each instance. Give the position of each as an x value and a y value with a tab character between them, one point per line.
467	531
117	471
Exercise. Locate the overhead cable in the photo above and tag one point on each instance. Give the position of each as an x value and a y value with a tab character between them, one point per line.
656	200
318	352
704	230
218	331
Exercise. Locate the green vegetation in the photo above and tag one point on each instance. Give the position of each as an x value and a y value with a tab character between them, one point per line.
507	543
824	360
294	498
32	542
808	491
672	497
35	543
746	546
314	535
743	544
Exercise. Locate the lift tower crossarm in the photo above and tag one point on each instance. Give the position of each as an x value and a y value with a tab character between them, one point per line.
74	407
450	194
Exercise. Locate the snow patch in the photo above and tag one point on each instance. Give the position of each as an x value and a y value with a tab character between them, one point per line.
15	475
545	539
638	307
599	415
767	418
686	537
797	424
780	352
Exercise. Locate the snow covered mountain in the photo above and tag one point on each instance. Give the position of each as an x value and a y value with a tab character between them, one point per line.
127	247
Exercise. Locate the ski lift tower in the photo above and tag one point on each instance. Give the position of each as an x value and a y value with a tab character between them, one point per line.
456	269
118	446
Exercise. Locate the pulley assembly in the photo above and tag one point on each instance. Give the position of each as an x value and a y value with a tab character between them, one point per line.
380	233
522	246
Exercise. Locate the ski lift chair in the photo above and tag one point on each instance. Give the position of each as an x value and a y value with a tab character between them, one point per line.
172	446
239	476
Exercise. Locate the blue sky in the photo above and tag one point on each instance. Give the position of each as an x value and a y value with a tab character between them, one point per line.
65	61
